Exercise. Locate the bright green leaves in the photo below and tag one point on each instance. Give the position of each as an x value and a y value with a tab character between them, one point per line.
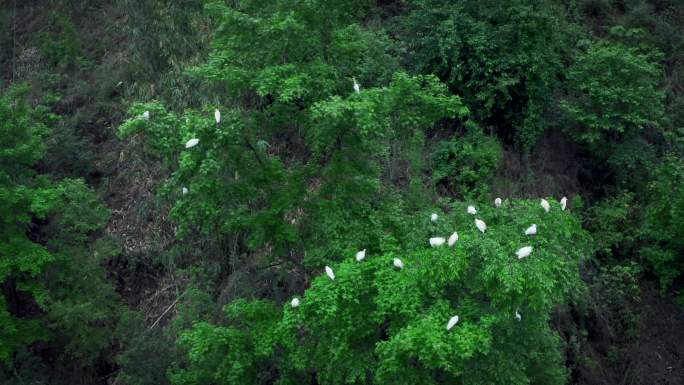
612	89
291	52
242	352
377	116
161	128
381	324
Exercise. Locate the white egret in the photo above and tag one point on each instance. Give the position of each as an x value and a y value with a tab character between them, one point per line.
357	88
217	116
564	203
295	302
146	115
191	143
398	263
545	204
361	255
524	252
330	273
437	241
471	210
480	225
434	217
497	202
452	322
518	316
532	230
452	239
184	190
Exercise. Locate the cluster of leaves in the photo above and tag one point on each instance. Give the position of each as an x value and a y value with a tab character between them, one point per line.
375	323
504	58
663	221
53	287
613	94
465	165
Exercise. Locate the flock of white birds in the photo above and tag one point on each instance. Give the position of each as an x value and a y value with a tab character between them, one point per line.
434	241
451	241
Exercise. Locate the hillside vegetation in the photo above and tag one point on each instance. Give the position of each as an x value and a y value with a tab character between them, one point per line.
341	192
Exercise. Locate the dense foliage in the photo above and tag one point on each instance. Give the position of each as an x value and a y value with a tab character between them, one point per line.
377	323
54	289
173	174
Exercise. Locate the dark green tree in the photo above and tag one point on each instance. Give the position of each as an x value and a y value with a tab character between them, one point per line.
503	57
53	286
613	96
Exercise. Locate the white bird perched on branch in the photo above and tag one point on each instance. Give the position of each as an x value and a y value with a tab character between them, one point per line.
330	273
518	316
398	263
471	210
434	217
479	223
497	202
146	115
191	143
361	255
452	322
545	205
563	203
184	190
437	241
452	239
532	230
217	116
357	88
524	252
295	302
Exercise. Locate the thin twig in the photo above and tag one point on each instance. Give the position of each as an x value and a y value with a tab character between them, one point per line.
167	309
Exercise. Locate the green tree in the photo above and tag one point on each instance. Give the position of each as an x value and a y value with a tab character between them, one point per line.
378	324
503	57
613	96
22	147
297	153
53	287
